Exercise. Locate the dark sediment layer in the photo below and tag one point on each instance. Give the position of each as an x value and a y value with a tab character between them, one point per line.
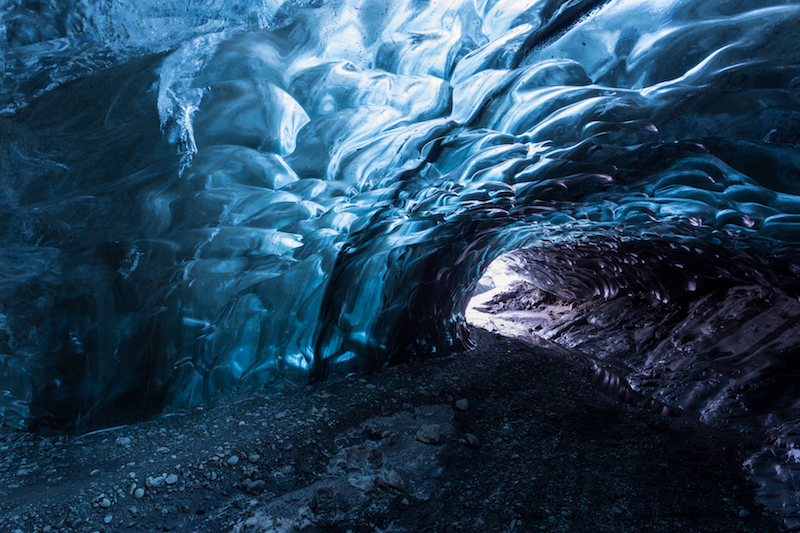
535	447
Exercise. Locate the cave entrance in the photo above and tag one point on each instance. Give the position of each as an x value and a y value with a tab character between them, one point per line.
509	301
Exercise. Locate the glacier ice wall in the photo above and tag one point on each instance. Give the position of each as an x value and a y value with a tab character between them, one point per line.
198	197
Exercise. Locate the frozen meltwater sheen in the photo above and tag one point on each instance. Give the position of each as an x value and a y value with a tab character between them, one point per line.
212	196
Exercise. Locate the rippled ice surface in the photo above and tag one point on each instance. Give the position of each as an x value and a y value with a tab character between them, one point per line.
205	196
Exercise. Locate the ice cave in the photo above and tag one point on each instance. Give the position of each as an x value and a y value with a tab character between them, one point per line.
205	198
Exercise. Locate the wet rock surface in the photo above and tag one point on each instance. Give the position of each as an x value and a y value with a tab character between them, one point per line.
533	448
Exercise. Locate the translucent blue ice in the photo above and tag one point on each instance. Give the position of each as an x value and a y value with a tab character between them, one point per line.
238	195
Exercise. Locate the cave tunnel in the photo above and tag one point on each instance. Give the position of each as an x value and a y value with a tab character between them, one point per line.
199	202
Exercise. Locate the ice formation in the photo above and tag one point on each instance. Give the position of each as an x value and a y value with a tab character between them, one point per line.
205	196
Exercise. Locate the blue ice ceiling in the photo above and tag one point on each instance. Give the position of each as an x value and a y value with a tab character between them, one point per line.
204	196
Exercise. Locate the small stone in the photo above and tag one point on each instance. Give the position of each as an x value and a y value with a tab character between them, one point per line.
138	493
94	472
255	487
430	434
743	513
472	441
162	449
394	480
660	425
233	459
171	479
108	518
462	404
253	457
124	441
105	503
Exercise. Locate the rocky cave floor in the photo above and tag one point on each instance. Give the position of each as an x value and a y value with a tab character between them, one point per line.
506	437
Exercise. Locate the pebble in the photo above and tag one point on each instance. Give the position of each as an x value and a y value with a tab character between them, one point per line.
394	480
472	441
429	434
154	481
171	479
233	459
138	493
94	472
105	503
107	519
255	486
162	449
124	441
253	457
462	404
743	513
